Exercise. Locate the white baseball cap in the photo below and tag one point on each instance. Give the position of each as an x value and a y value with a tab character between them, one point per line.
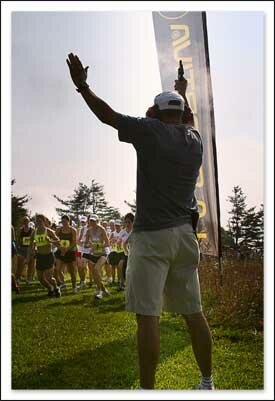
93	217
83	218
31	224
169	101
117	222
112	222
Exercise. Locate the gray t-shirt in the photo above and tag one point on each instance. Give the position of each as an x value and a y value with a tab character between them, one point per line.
169	157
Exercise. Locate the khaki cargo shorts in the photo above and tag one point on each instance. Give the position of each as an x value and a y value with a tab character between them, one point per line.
162	272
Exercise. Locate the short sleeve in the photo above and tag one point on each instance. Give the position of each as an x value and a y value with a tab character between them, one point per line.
134	130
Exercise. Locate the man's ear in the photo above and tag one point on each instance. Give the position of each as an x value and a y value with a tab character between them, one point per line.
153	112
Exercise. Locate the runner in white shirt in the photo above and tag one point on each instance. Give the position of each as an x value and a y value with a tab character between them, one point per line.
82	263
98	242
124	237
115	249
107	266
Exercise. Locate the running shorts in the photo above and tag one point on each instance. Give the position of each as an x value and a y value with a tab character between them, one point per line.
91	257
69	256
23	251
115	257
44	262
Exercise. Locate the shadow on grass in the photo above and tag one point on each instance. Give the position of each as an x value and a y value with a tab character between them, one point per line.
108	366
105	305
34	298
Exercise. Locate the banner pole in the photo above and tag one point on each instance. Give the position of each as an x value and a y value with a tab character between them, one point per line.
212	118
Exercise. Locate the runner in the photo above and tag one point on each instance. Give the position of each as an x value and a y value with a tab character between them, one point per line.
90	264
107	266
66	250
111	228
97	239
122	265
116	250
14	283
43	237
82	262
22	252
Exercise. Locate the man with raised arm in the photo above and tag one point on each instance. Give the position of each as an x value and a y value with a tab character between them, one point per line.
162	271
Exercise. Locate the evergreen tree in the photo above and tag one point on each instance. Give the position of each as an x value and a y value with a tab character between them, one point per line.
226	240
110	213
259	240
237	215
86	200
249	229
132	205
18	210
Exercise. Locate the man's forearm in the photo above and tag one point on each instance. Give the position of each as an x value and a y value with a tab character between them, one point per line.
101	109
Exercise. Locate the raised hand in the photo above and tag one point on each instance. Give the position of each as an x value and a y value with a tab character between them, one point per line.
78	73
181	86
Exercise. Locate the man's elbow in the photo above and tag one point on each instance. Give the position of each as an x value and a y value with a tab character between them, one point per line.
109	119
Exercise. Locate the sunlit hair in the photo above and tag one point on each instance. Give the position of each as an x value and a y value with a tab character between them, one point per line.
66	217
41	217
129	216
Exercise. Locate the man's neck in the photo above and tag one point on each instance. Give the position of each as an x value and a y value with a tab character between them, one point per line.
176	121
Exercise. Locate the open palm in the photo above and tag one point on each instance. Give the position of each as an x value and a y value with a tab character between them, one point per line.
78	72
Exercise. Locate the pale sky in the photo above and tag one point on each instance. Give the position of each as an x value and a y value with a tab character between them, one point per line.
56	140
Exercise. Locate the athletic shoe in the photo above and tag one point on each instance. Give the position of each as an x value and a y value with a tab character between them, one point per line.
105	293
57	292
204	387
99	295
51	293
62	286
82	285
120	288
75	290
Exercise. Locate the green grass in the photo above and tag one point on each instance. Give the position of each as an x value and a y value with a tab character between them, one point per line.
76	342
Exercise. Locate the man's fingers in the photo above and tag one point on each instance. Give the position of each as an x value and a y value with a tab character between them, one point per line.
71	57
78	62
69	65
73	61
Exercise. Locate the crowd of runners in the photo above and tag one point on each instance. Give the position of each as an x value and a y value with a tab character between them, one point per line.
95	251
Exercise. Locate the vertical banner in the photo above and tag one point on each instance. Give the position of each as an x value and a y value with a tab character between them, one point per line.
183	36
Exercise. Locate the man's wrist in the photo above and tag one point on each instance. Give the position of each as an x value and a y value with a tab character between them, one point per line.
81	88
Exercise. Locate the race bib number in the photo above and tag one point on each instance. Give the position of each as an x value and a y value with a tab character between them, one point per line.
119	248
41	240
97	247
64	243
26	241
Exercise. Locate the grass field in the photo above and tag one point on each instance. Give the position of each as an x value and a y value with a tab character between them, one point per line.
76	342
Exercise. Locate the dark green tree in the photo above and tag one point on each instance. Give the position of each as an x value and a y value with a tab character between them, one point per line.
237	215
110	213
86	200
259	243
18	210
249	231
226	240
132	205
